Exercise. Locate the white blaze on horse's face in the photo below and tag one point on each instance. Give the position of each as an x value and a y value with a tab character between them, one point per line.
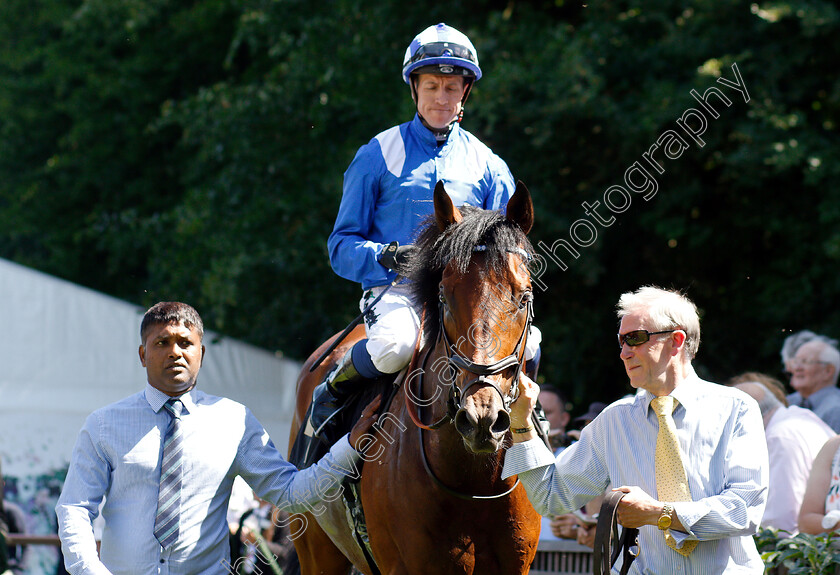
492	315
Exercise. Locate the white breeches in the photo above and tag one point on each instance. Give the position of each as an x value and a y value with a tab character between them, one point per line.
392	327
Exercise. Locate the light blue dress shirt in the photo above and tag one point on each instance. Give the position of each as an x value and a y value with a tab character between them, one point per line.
117	455
824	402
722	443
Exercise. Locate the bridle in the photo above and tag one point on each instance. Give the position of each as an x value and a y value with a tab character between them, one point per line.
482	370
456	361
460	363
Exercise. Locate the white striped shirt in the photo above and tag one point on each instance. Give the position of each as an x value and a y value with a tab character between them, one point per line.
722	443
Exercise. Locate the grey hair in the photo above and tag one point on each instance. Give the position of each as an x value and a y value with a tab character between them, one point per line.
666	309
830	355
769	401
796	340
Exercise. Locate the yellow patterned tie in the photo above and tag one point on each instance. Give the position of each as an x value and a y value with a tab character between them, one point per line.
671	480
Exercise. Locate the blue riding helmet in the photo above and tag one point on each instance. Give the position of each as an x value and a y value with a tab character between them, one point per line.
441	49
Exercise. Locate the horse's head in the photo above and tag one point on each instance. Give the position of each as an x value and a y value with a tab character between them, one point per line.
481	311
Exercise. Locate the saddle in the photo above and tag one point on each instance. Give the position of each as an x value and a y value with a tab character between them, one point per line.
608	543
308	450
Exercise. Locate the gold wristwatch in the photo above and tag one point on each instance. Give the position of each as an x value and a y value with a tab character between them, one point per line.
665	519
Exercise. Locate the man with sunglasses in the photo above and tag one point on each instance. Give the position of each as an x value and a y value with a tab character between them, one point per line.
388	193
707	443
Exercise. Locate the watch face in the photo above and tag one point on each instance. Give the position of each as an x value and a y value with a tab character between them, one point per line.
665	519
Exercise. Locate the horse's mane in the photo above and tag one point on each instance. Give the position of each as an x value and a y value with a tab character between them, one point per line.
457	245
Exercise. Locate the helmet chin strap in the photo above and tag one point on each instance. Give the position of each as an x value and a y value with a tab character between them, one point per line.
441	134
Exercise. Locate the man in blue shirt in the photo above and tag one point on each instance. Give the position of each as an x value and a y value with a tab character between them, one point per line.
118	456
717	457
814	370
388	193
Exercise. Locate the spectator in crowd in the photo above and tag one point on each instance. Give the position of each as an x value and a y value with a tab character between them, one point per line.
776	387
794	437
16	522
815	368
794	341
263	539
689	455
166	458
582	421
556	410
580	525
820	512
554	405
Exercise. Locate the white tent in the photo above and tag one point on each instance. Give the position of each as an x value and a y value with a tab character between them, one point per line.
66	350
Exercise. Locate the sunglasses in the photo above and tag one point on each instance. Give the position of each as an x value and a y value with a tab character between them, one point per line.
638	337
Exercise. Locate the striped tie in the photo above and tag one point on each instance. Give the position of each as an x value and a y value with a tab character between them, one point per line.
671	480
169	496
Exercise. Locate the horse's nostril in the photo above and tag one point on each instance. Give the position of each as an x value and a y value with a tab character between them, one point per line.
465	423
502	423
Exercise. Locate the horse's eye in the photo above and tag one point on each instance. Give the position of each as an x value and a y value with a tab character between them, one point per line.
526	298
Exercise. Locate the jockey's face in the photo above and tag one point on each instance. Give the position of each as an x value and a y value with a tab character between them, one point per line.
439	98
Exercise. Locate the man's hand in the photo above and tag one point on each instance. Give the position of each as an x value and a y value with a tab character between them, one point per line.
586	535
637	508
520	410
565	526
366	420
395	257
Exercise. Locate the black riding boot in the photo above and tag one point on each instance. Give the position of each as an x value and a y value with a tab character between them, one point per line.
328	398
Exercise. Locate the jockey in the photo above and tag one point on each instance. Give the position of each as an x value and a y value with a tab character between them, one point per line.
388	193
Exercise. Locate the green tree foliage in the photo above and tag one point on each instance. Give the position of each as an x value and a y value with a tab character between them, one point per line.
194	150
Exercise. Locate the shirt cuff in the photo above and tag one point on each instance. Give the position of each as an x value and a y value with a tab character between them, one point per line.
343	453
531	454
689	513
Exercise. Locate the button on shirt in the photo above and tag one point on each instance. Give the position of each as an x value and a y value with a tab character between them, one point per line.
117	454
824	402
722	443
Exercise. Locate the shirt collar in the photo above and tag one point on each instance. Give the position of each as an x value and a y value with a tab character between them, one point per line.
157	398
426	136
814	398
685	393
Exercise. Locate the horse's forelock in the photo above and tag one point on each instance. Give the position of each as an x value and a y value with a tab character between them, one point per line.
457	245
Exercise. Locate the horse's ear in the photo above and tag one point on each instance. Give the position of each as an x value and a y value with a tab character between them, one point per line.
520	208
446	213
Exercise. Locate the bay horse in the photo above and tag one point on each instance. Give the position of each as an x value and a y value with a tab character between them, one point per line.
433	497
